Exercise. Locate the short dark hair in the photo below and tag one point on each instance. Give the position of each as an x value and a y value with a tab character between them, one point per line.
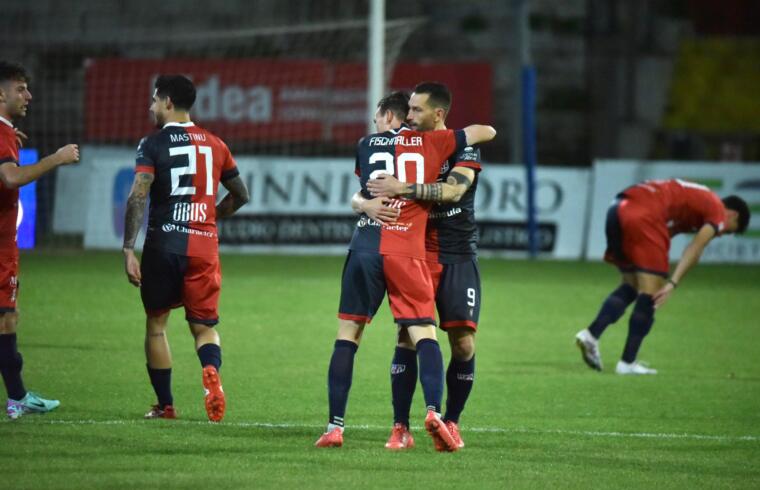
178	88
738	204
439	95
396	102
12	71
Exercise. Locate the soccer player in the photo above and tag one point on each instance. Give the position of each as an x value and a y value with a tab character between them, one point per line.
180	166
640	223
391	257
14	100
451	244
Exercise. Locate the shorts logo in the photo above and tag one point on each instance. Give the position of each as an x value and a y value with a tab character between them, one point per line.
168	227
397	368
14	288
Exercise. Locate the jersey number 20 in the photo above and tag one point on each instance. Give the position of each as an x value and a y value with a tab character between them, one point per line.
402	160
191	168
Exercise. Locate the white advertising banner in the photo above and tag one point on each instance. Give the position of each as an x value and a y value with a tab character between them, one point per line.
302	205
612	176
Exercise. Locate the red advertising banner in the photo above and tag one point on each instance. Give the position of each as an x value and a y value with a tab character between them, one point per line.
269	100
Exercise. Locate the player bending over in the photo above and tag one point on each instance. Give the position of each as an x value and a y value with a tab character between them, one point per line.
640	223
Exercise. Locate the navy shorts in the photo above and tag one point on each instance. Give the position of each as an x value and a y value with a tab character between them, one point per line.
170	280
457	293
367	276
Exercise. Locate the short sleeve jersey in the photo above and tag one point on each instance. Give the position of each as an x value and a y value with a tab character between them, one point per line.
684	206
8	197
188	163
413	157
452	234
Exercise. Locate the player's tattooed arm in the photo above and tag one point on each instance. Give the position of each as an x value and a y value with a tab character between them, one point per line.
138	196
459	180
235	198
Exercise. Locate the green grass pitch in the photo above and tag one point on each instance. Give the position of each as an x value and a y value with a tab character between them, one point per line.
537	417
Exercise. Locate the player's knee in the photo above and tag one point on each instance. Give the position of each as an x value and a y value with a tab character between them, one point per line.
350	330
8	322
404	341
462	345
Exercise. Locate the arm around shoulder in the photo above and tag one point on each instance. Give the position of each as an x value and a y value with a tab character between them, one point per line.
479	133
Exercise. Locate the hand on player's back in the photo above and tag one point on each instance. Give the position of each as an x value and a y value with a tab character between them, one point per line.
68	154
378	210
385	185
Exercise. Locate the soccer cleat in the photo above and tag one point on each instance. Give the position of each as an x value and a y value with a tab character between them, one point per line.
589	347
334	438
454	431
400	438
156	412
635	367
31	403
215	402
437	429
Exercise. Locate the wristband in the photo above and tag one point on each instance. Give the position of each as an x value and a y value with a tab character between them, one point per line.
671	281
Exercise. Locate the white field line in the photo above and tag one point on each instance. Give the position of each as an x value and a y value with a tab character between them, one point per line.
498	430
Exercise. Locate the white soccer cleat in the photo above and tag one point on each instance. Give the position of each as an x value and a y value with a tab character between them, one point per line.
589	347
635	367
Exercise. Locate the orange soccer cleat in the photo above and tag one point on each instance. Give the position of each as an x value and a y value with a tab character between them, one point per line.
437	429
334	438
156	412
454	431
400	438
215	402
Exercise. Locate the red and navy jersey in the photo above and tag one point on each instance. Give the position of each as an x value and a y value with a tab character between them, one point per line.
188	163
413	157
452	234
683	206
8	197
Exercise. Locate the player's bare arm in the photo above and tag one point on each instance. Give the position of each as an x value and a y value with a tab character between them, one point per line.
14	176
136	201
479	133
689	259
377	208
459	180
236	198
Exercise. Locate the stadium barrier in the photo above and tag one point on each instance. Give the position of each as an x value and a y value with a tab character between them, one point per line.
612	176
302	205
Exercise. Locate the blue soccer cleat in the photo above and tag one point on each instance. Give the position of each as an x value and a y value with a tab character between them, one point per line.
31	403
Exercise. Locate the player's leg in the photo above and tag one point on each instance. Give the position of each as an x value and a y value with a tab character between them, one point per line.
458	302
460	376
404	378
403	384
160	290
640	323
362	290
20	401
614	306
611	311
431	378
201	288
11	361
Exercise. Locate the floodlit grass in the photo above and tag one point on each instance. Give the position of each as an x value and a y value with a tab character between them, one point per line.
537	417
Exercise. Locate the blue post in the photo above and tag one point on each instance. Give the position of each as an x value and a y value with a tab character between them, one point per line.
529	153
27	203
